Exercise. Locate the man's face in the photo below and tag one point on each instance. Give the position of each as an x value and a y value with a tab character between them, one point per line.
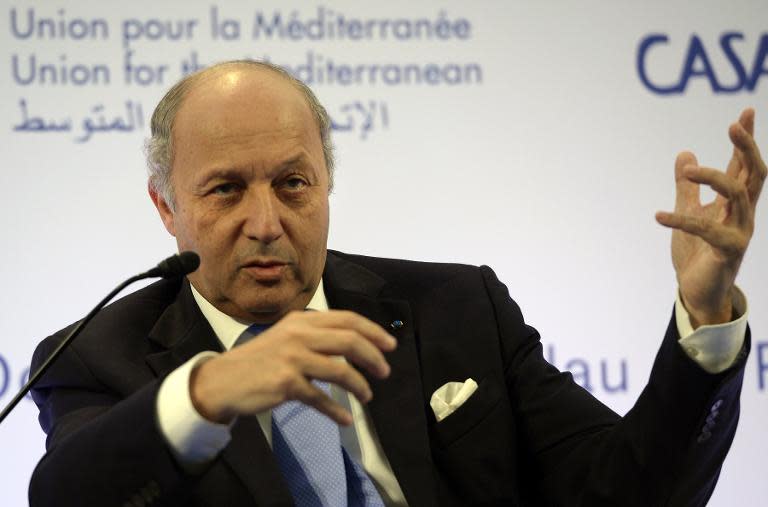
251	189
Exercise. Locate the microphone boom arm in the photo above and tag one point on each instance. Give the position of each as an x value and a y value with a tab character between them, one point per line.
63	345
177	265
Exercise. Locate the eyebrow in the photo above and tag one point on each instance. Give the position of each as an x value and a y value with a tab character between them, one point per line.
223	173
226	173
298	159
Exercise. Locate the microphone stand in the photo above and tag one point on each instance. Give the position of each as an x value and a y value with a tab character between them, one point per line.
64	344
177	265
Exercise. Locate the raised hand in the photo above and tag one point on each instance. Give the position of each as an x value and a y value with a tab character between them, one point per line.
709	241
280	363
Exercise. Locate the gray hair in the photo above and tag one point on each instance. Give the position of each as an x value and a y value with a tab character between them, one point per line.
159	147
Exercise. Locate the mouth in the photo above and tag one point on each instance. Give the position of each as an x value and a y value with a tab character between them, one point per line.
265	270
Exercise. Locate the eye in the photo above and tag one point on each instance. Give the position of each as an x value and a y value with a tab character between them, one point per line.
295	183
225	189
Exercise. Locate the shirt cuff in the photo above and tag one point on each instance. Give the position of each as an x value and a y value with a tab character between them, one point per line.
714	347
194	440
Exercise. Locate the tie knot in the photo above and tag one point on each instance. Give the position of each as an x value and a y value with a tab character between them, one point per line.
256	329
251	331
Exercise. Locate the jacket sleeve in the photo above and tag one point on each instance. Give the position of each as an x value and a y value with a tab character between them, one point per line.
103	447
667	450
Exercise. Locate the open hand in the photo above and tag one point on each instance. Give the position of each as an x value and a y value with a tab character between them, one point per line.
709	241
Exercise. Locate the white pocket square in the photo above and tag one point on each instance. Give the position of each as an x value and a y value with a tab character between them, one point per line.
451	396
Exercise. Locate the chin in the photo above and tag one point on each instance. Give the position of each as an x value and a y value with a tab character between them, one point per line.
274	307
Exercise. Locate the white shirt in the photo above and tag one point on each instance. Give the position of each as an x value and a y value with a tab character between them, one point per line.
195	441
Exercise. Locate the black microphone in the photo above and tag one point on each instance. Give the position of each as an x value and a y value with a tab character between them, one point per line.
174	266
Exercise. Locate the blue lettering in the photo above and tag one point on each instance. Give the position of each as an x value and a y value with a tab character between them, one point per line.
580	371
462	28
759	65
621	386
24	379
157	29
432	73
57	28
62	74
697	63
329	25
762	364
30	27
259	24
228	30
294	29
5	375
143	75
733	58
642	51
696	53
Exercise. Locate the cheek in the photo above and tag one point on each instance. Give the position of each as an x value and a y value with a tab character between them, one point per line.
184	238
215	247
314	235
196	233
314	221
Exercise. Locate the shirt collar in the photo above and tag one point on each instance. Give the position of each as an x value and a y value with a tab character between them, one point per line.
228	329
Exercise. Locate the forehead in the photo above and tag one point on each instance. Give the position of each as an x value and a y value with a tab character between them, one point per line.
239	111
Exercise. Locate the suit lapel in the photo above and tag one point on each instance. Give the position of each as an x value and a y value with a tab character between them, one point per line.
182	331
397	408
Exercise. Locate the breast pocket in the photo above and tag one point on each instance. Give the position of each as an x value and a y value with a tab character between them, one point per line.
470	414
474	449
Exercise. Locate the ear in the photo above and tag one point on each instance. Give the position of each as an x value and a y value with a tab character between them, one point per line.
166	214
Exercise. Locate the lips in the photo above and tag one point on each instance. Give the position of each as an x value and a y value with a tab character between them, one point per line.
266	270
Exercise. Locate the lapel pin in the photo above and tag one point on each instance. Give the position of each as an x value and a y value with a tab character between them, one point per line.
396	324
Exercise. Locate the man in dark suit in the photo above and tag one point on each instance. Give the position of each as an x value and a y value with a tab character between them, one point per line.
154	404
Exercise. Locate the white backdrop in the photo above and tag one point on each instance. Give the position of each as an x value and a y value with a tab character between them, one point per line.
530	136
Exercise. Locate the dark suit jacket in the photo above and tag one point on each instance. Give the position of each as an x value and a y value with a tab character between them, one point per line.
528	436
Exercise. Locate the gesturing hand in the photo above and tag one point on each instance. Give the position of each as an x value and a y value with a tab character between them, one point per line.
280	363
709	241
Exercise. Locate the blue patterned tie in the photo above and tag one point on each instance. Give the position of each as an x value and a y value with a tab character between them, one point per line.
307	447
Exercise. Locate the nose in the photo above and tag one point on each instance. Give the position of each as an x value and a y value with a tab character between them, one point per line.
262	219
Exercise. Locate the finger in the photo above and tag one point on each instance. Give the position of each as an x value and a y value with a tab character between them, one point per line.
338	372
311	395
687	192
747	121
736	163
751	160
727	239
353	346
745	143
729	188
344	319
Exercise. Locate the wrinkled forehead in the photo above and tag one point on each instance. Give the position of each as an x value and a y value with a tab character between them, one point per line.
235	108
